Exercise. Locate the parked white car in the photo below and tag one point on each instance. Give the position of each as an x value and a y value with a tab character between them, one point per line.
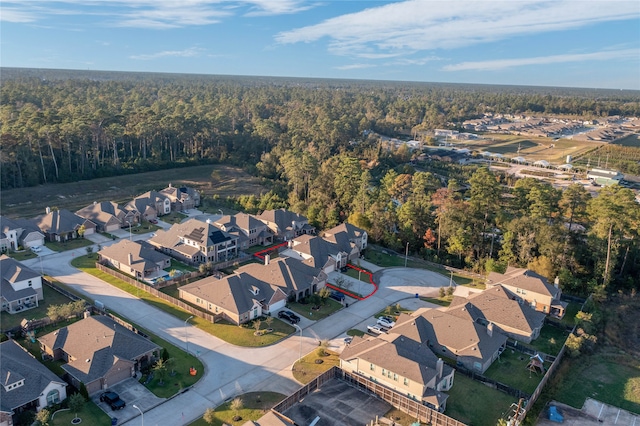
386	322
375	329
36	249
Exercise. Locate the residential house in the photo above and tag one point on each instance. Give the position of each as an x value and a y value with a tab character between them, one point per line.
99	352
150	205
250	230
109	216
347	236
286	225
26	383
239	298
472	345
182	198
17	233
323	254
400	363
196	242
138	259
20	288
496	306
531	288
63	225
296	278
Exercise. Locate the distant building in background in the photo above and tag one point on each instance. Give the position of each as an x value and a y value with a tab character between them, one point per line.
605	177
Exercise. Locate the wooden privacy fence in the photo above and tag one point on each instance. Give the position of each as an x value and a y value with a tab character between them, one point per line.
154	292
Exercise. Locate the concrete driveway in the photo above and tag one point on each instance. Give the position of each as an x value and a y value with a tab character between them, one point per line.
132	393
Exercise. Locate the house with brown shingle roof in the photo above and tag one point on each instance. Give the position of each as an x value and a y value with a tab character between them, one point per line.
99	352
16	233
240	297
109	216
182	198
26	383
400	363
63	225
496	306
346	235
150	205
285	224
196	242
472	345
324	254
136	258
531	288
249	229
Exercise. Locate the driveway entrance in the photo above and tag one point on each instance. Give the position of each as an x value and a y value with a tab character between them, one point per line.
132	393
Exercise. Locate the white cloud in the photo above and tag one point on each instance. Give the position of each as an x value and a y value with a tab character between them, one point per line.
498	64
186	53
153	14
354	66
409	26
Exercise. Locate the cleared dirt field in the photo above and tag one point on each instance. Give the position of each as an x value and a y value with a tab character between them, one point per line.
533	149
30	202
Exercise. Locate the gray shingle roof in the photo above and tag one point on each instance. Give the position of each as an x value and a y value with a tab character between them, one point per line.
525	279
101	341
283	218
59	222
318	248
205	234
16	364
144	257
287	273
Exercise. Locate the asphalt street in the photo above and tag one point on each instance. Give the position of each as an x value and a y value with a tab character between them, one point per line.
231	370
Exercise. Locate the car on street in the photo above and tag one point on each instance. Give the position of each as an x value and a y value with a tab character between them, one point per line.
386	322
375	329
289	316
113	400
336	295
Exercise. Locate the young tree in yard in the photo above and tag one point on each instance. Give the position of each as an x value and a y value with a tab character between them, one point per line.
324	294
54	312
209	416
160	370
256	324
236	405
322	350
43	417
76	403
269	321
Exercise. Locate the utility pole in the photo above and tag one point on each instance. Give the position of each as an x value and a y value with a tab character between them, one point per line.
406	255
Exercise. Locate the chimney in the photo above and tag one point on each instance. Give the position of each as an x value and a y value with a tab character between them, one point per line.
130	259
490	329
86	314
47	210
293	224
556	282
440	368
209	220
267	259
170	185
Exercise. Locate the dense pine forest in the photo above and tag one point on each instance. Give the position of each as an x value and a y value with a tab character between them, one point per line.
315	143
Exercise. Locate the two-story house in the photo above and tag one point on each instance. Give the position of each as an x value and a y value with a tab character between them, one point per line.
531	288
286	225
402	364
325	255
196	242
16	233
26	383
109	216
20	287
182	198
250	230
150	205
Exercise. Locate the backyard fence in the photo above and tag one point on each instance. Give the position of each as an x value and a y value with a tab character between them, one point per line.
412	407
509	390
529	350
154	292
60	290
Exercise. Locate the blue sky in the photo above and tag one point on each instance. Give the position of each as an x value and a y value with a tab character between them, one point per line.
524	42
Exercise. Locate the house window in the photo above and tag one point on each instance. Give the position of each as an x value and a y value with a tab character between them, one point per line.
53	397
372	367
444	349
406	381
384	372
450	381
544	309
30	284
395	377
477	366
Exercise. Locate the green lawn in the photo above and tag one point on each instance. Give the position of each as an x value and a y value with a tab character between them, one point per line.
68	245
357	275
176	264
511	369
51	297
308	369
329	307
393	310
550	340
610	378
355	332
173	217
441	301
256	404
475	404
22	255
91	414
241	336
570	314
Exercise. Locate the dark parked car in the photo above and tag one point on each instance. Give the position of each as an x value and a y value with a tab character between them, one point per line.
113	399
336	295
289	316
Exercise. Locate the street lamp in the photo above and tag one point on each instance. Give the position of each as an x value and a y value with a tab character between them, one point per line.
300	353
221	212
141	413
129	230
186	336
406	254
